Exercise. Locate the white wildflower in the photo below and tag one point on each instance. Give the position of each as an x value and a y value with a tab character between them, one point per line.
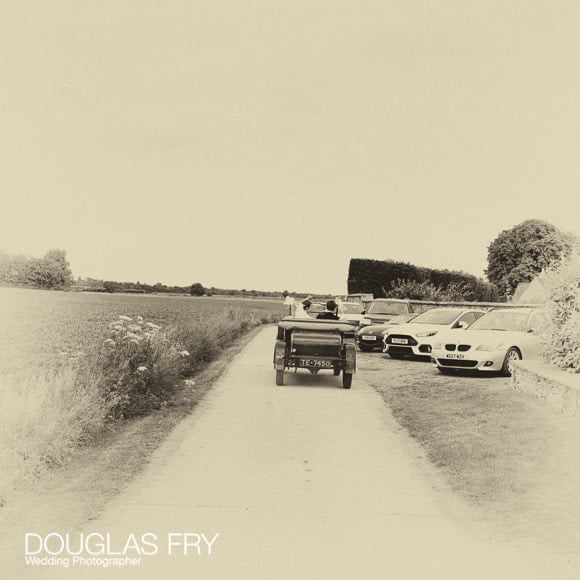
184	353
189	383
153	326
125	317
140	319
142	369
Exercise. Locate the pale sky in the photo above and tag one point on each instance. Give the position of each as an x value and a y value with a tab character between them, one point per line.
262	144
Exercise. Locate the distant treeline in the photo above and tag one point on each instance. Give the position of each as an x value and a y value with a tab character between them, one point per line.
386	277
97	285
196	289
51	271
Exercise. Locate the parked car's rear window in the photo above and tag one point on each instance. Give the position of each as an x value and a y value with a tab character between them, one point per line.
436	316
350	308
502	320
388	308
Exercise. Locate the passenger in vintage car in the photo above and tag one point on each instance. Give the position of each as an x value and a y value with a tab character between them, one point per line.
330	312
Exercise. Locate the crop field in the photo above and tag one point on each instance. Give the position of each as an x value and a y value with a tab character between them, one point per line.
37	325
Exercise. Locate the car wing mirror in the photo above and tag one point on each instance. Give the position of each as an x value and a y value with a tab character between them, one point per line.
364	312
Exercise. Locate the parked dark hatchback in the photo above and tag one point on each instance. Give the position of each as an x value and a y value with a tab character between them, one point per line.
383	310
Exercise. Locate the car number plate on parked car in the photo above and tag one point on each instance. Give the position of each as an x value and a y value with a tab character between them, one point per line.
455	356
310	362
399	341
368	337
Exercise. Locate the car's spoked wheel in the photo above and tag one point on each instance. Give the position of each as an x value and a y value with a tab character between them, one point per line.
511	355
280	377
346	380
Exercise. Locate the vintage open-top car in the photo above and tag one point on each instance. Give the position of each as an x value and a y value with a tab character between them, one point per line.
315	345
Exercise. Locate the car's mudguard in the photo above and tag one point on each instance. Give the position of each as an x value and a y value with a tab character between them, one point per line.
350	358
280	355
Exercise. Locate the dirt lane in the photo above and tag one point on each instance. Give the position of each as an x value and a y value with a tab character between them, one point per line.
302	481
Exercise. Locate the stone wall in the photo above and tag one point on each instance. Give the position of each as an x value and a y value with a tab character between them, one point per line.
558	388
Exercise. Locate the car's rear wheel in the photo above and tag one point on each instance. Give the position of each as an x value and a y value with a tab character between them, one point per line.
365	347
346	380
280	377
511	355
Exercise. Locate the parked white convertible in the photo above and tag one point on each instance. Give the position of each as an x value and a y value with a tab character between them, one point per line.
415	338
493	342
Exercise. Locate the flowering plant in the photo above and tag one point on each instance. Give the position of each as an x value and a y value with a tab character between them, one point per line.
143	363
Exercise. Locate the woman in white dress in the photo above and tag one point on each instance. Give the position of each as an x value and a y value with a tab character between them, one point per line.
302	309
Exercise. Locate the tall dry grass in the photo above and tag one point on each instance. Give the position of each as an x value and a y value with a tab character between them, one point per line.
138	368
43	417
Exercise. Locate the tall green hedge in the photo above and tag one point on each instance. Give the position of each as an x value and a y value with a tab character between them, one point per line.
378	276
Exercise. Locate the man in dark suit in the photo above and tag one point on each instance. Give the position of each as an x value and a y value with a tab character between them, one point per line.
330	312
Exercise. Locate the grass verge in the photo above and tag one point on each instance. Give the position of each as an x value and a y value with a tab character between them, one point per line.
97	472
138	369
507	454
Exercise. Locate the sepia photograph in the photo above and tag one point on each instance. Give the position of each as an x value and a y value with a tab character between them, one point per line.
289	290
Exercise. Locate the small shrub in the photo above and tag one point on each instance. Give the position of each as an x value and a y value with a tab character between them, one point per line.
562	344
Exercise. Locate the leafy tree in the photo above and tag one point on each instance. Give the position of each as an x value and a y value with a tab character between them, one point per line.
520	253
59	268
197	289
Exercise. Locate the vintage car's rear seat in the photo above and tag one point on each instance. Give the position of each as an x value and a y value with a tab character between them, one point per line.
290	323
312	343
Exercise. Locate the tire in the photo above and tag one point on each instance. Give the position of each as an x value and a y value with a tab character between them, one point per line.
279	378
346	380
365	348
511	355
336	371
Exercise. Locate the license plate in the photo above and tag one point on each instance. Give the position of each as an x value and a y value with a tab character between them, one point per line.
455	356
399	341
309	362
369	338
